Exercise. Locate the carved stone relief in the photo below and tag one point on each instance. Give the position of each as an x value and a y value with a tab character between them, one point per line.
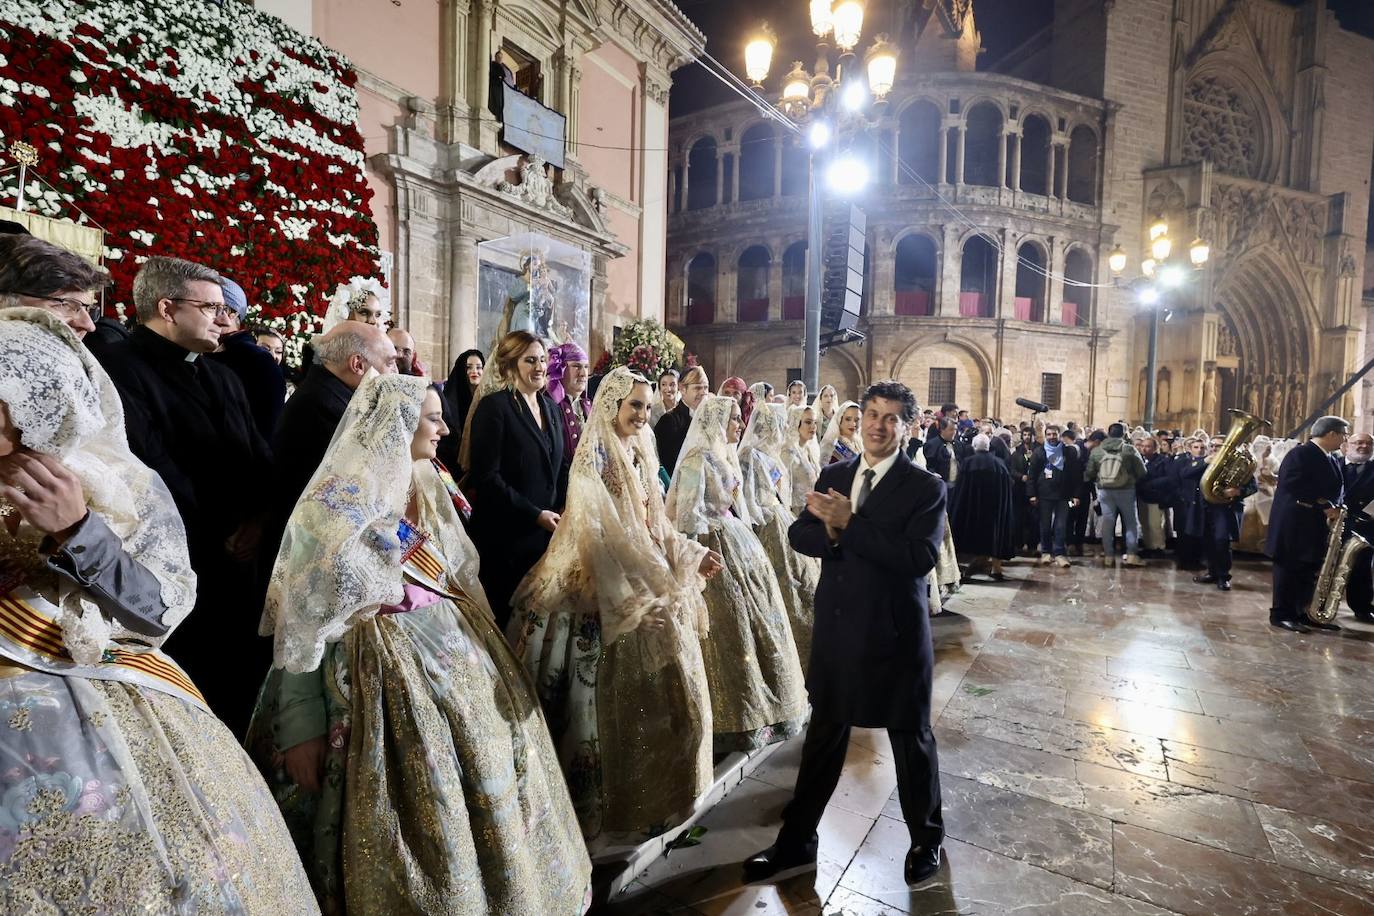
535	188
1220	125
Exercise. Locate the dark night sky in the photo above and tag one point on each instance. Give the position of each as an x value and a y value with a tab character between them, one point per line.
1004	25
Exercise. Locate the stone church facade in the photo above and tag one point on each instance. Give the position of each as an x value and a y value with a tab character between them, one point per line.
446	184
998	195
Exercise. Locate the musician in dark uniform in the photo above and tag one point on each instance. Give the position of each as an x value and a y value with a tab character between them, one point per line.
1358	471
1214	526
1305	502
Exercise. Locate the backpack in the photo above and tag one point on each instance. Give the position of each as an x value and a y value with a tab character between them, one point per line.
1111	472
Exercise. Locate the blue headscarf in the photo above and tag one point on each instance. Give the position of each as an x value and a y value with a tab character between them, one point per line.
1054	455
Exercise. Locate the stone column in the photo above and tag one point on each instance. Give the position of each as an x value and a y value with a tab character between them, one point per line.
884	294
775	282
727	289
672	190
1005	306
653	221
686	176
720	176
944	156
895	173
1054	292
950	261
959	157
482	131
1051	178
453	76
462	304
735	153
1016	162
1002	140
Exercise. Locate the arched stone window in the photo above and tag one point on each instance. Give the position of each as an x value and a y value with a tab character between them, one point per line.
701	174
978	278
701	289
794	282
756	162
796	166
1029	304
1222	125
751	284
915	267
918	144
1077	308
982	133
1035	155
1083	165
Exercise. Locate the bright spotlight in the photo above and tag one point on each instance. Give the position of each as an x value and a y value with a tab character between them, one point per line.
819	135
1172	276
1149	296
847	174
855	96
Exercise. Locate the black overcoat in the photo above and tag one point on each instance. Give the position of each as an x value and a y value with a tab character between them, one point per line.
517	471
982	515
871	658
1198	518
1309	481
1359	493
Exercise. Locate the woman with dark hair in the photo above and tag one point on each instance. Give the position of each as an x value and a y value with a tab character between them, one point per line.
516	475
458	392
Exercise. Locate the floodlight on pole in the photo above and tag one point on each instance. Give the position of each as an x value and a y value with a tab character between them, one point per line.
1149	296
847	175
819	134
1171	276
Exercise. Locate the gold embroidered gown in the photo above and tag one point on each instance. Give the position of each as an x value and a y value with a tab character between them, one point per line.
758	695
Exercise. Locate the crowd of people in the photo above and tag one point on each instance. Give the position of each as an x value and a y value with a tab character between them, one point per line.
454	638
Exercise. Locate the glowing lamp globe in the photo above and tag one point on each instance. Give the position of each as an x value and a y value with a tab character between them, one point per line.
758	56
881	63
847	19
820	17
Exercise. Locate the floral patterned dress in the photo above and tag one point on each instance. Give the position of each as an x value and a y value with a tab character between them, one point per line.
442	792
758	694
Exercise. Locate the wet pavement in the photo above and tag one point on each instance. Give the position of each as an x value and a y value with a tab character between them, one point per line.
1111	741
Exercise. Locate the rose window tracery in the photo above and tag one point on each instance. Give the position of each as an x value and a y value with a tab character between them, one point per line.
1221	126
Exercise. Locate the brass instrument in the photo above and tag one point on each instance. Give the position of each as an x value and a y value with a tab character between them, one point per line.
1336	566
1231	465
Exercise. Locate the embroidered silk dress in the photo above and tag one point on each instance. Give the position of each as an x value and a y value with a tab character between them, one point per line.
628	706
752	666
441	791
120	792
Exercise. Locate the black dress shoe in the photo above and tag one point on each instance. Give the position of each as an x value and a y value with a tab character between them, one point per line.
1364	617
1330	627
774	859
922	862
1224	585
1290	625
1205	579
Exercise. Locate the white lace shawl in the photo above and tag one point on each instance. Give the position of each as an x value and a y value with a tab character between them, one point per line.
802	461
65	406
767	485
707	479
340	557
832	434
614	548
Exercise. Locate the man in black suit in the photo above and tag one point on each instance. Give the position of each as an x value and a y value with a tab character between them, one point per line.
1056	477
1358	471
878	534
1306	501
671	430
945	451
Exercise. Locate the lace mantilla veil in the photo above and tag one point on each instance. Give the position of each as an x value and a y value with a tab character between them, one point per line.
705	443
65	406
812	450
614	544
341	556
832	432
767	484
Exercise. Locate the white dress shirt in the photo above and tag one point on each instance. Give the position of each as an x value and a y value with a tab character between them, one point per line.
879	469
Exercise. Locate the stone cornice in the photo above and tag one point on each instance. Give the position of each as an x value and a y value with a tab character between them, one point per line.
661	32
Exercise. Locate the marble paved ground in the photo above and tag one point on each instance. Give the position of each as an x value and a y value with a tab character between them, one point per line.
1111	741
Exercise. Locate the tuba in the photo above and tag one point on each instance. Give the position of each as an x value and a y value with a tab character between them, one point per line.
1232	465
1336	566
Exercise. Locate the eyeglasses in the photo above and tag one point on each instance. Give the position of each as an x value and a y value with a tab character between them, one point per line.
67	306
215	310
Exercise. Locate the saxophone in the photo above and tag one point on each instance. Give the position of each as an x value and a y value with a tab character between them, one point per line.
1232	465
1336	566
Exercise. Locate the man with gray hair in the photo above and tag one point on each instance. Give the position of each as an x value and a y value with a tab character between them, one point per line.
1306	502
343	357
188	419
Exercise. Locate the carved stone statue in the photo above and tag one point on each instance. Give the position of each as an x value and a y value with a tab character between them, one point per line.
535	187
1208	417
1297	398
1273	399
1252	398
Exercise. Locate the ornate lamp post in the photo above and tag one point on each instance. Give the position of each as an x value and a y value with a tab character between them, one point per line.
1160	276
832	110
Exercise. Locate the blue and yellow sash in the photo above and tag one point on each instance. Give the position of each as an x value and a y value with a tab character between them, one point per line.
32	638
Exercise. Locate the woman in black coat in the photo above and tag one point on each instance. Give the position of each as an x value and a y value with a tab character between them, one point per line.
516	477
458	394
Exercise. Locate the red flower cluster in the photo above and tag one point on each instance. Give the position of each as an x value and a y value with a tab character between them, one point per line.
209	190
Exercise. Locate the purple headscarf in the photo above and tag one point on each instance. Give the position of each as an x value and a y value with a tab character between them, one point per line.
559	357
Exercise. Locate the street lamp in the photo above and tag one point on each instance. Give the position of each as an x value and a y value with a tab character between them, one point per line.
1152	295
833	110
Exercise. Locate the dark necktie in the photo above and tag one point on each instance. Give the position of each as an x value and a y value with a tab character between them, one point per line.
864	490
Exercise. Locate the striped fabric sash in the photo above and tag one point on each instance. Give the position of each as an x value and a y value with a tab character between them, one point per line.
421	562
33	639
